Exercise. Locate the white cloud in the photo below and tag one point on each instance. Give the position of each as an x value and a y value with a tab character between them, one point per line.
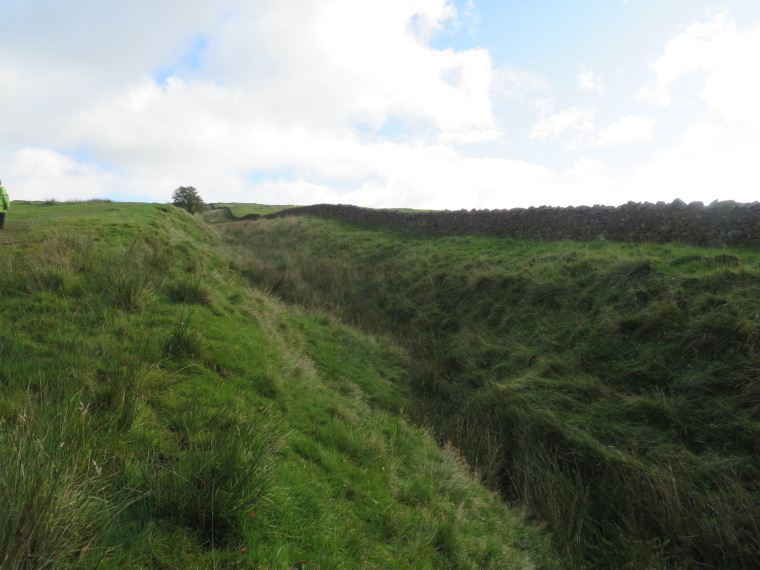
276	86
322	63
282	87
693	50
44	173
706	162
588	81
728	57
578	119
517	84
709	162
715	157
544	106
339	61
625	130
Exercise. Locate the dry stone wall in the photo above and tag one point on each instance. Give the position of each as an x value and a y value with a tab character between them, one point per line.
720	223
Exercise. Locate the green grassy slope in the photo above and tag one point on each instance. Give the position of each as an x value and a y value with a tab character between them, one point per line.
155	412
613	389
243	209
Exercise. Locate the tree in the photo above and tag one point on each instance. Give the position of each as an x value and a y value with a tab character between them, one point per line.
187	197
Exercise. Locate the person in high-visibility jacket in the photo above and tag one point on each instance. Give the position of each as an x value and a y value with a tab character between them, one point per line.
5	204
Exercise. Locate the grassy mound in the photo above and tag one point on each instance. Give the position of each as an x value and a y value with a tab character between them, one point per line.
155	412
613	389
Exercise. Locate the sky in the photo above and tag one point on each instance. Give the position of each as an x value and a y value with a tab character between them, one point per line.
432	104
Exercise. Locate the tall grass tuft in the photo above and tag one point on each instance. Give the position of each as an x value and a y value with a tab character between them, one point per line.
54	498
189	288
127	278
116	394
182	340
215	481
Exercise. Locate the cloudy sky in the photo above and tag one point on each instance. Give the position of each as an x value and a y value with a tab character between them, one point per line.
384	103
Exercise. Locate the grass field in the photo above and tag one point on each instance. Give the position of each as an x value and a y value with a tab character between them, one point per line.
243	209
157	411
611	389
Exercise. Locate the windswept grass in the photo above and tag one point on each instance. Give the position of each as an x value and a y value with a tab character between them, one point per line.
155	412
56	502
609	388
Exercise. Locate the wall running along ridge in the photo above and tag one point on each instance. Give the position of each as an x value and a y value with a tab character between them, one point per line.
720	223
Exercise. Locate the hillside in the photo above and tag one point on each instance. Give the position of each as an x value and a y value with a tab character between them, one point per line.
611	389
156	411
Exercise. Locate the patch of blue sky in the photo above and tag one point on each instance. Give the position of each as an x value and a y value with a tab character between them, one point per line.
554	37
187	63
414	23
394	129
280	175
537	34
81	154
290	174
13	5
161	75
364	128
130	197
346	184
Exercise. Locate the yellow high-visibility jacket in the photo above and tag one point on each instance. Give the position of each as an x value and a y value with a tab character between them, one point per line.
5	204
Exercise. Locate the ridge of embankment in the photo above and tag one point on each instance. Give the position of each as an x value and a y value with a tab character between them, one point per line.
230	216
726	223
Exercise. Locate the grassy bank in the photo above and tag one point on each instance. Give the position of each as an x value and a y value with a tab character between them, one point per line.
155	412
244	209
612	389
